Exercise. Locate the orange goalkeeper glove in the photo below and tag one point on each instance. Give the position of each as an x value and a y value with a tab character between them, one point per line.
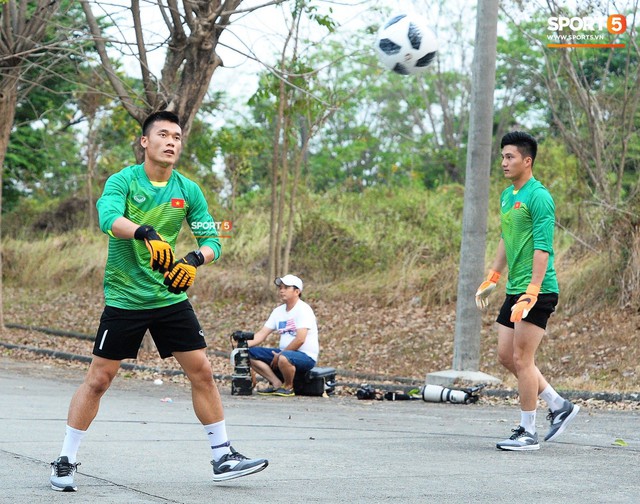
525	303
183	272
486	288
161	252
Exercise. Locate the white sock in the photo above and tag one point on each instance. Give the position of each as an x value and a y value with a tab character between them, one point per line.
528	421
71	443
554	400
217	434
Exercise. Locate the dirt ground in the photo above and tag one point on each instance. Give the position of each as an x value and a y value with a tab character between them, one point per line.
595	352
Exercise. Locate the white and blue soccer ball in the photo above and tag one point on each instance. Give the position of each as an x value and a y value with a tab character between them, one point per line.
406	44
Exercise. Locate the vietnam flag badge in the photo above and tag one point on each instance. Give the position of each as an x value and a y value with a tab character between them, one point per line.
177	203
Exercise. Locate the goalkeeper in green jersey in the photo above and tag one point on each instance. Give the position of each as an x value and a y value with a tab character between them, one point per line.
526	247
142	209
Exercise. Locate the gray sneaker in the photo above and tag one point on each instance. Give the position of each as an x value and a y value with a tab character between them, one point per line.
560	419
62	472
521	440
234	465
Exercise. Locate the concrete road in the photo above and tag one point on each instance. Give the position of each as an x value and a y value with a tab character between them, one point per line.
142	449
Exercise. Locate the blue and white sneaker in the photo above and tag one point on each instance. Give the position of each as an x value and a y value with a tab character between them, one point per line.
560	419
62	472
234	465
521	440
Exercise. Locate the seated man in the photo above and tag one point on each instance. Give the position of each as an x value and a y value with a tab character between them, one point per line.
298	349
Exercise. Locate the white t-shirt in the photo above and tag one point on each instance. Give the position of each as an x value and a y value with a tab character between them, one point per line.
286	323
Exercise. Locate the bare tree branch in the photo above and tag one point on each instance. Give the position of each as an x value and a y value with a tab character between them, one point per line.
112	76
147	81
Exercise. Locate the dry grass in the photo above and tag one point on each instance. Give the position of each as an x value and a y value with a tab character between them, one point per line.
394	319
390	336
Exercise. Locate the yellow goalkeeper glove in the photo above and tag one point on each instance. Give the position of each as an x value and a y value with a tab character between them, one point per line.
161	252
486	288
525	303
183	272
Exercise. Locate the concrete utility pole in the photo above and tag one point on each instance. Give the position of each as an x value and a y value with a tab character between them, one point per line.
466	352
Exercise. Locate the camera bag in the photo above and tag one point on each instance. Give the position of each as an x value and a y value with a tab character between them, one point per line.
315	382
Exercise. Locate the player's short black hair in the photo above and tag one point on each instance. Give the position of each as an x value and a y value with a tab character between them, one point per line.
526	144
162	115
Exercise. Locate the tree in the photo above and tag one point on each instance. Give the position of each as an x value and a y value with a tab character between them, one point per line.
300	113
397	130
193	32
521	97
239	146
23	28
90	100
592	102
591	96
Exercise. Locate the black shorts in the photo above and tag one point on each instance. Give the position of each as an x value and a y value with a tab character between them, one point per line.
173	328
539	314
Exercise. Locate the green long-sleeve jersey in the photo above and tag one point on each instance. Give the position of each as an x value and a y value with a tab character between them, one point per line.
528	221
129	282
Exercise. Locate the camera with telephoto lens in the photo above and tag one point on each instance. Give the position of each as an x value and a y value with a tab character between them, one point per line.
241	381
241	337
366	392
437	393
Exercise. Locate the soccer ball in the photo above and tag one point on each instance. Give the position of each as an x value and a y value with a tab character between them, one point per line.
406	45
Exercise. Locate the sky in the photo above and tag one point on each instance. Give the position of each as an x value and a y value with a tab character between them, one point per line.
257	35
253	39
262	32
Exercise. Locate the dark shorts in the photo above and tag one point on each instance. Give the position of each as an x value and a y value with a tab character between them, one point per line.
173	328
539	314
300	360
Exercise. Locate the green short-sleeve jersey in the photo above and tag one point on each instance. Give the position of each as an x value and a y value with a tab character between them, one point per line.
129	282
528	221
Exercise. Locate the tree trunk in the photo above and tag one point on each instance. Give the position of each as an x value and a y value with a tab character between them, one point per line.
297	169
8	100
92	154
466	352
284	182
273	245
292	211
